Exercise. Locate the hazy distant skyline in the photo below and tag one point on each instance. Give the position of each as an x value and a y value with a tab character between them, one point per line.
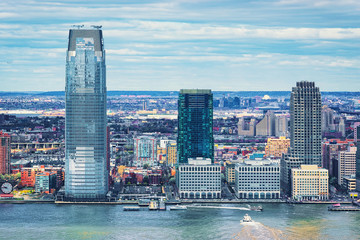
169	45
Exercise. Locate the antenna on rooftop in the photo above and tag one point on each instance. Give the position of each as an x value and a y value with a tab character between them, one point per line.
77	26
96	26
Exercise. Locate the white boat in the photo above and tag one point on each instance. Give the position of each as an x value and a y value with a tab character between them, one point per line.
246	218
178	207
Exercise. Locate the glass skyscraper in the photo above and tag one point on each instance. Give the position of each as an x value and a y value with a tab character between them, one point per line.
85	133
195	125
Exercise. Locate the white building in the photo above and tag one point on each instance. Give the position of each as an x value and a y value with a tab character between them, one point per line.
346	163
257	179
199	179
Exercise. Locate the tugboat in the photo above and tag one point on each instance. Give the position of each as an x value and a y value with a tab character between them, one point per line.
246	218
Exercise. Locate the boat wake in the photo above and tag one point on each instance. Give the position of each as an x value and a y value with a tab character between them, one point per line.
220	207
256	230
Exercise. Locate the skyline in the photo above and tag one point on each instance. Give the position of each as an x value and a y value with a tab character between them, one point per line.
221	45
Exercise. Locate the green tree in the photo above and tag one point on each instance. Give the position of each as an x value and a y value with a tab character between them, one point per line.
146	180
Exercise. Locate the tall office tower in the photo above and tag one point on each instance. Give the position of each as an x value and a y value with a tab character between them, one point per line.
266	127
145	151
195	125
305	130
4	153
85	131
281	126
327	119
342	126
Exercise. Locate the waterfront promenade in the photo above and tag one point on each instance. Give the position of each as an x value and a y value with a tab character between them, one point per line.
183	201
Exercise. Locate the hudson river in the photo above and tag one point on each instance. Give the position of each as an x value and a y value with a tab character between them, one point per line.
277	221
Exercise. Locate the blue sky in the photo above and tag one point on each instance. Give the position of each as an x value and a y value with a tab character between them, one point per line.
169	45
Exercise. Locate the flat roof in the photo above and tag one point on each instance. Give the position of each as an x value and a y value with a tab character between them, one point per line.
195	91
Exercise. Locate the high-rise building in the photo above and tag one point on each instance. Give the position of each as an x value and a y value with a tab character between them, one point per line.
4	153
246	128
346	164
330	154
305	130
266	127
171	154
342	127
281	126
85	131
195	125
327	119
145	151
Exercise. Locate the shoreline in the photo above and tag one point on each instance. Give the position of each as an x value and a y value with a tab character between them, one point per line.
185	201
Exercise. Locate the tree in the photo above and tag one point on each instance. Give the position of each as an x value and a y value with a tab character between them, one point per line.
146	180
146	166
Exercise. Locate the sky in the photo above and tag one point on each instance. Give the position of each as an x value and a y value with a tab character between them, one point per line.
223	45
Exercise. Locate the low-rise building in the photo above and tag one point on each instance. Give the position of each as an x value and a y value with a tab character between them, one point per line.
257	179
349	183
309	182
199	179
45	182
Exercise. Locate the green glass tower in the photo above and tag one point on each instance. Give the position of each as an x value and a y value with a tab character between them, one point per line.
195	125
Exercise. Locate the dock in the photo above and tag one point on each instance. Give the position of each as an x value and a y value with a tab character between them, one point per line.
338	207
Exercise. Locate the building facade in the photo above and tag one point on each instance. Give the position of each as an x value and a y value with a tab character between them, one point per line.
277	146
281	126
45	182
145	151
85	126
195	125
230	172
257	179
266	127
346	163
171	154
199	179
5	151
305	130
246	128
309	182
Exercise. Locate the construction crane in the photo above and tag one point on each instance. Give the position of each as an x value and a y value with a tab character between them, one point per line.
77	26
96	26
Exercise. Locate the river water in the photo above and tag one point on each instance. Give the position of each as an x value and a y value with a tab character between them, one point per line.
277	221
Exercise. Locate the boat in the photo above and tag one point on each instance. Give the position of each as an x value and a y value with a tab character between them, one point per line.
144	202
246	218
256	208
162	205
131	208
178	207
154	205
